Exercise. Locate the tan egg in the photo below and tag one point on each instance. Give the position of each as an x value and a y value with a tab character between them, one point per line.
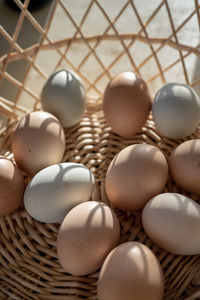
130	272
184	164
135	175
169	219
127	103
11	186
38	142
88	233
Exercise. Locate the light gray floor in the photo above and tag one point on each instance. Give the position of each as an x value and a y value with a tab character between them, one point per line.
95	24
27	37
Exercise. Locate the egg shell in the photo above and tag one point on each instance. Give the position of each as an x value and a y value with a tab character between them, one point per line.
169	218
64	96
126	103
135	175
56	189
88	233
11	186
131	271
38	142
176	110
184	166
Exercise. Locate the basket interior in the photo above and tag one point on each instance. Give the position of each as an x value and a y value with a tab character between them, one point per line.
159	40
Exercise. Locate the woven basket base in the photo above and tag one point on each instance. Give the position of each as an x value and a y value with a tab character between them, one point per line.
29	268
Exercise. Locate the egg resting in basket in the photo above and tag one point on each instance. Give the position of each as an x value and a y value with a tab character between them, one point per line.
29	268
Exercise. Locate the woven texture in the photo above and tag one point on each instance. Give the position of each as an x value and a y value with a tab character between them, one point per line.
29	268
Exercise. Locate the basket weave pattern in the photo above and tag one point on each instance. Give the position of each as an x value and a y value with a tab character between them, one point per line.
29	268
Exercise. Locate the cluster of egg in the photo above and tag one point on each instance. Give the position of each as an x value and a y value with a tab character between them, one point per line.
59	192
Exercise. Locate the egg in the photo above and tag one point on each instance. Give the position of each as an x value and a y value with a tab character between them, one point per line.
135	175
184	165
38	142
55	190
169	218
87	234
130	272
11	186
176	110
126	103
64	96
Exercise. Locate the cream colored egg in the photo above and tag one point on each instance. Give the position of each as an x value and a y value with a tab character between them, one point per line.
172	221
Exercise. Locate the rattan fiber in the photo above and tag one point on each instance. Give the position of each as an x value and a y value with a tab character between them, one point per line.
29	268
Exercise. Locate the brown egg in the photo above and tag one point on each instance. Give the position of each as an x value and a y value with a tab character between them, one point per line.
11	186
127	103
130	272
38	142
88	233
135	175
184	165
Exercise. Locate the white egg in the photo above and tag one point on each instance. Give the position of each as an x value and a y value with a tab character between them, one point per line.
55	190
176	110
64	96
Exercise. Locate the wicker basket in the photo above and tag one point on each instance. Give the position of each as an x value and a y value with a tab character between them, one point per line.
97	39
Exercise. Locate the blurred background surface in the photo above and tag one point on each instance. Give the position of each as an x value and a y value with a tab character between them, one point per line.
96	22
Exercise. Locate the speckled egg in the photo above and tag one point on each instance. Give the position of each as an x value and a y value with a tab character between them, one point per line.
86	236
11	186
38	142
